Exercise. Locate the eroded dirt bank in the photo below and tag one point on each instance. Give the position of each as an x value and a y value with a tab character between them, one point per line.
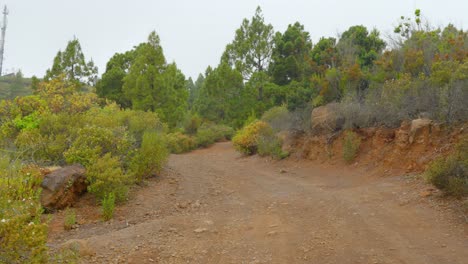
214	206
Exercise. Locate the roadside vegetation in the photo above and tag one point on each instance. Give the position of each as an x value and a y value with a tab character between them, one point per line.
122	126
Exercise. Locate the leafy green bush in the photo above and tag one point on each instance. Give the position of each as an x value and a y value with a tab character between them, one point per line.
192	124
278	118
105	175
180	143
208	134
351	144
450	174
70	219
108	206
151	157
23	235
270	145
246	140
27	122
93	142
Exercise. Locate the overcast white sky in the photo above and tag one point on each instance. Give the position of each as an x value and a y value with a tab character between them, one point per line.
193	33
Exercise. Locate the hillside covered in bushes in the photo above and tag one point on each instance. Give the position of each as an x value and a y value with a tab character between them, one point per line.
122	125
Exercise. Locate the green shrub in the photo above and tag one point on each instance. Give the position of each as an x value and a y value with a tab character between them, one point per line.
450	174
351	144
246	140
192	124
108	206
27	122
151	157
180	143
105	175
139	122
70	219
92	142
278	118
208	134
23	235
271	145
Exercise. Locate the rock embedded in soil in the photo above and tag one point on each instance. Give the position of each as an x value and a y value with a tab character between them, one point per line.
63	187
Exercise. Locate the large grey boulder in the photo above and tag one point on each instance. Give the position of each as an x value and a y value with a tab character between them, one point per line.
325	119
418	127
62	187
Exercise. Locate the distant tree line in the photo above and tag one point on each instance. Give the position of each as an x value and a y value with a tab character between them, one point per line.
422	70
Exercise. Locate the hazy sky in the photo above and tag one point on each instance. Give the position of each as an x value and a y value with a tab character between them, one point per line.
193	33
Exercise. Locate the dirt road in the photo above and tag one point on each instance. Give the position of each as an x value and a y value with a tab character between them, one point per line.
214	206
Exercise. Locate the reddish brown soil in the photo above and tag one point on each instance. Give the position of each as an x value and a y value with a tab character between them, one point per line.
214	206
390	150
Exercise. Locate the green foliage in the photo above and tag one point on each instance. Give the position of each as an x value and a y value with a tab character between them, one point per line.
70	219
222	97
111	83
358	45
108	206
270	145
71	62
92	142
151	157
246	139
351	144
278	118
259	137
252	46
291	59
208	134
180	143
192	124
153	85
450	174
23	234
105	175
27	122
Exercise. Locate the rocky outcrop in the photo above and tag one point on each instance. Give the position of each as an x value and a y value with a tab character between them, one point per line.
62	187
418	127
325	119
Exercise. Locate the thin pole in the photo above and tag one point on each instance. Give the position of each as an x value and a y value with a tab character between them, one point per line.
2	41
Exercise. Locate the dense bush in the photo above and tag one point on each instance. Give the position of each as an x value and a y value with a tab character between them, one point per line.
180	143
151	157
450	174
192	124
93	142
259	137
209	133
270	145
278	118
22	234
351	144
105	175
246	139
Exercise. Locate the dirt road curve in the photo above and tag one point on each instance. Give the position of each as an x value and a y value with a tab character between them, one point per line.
214	206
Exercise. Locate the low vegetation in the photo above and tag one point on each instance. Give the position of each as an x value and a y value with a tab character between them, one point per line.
23	234
108	206
450	174
259	137
351	143
122	125
70	219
